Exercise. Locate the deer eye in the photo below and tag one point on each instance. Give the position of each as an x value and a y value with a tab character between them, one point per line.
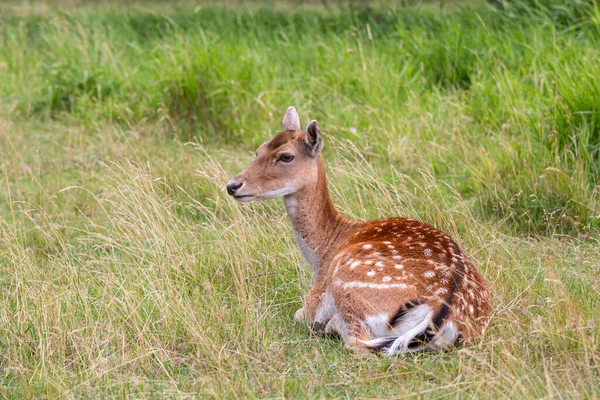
286	157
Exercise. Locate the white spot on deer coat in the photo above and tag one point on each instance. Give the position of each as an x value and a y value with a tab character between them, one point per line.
367	285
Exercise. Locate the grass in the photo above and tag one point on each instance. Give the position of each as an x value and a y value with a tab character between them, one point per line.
126	271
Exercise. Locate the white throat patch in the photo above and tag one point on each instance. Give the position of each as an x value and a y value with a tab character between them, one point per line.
307	252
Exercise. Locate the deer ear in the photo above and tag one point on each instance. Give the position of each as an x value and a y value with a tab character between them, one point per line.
291	122
313	138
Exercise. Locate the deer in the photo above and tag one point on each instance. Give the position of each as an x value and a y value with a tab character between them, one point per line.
394	285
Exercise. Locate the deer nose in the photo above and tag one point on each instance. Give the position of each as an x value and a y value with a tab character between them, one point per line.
233	187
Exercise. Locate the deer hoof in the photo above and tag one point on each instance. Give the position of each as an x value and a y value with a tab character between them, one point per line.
299	315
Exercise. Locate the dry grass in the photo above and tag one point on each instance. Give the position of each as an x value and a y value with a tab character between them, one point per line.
143	278
126	271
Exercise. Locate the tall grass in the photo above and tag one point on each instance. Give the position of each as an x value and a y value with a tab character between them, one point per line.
525	81
147	279
125	270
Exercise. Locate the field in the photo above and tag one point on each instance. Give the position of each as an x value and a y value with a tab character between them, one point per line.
126	271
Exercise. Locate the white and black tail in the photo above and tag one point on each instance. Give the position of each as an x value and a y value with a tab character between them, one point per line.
416	328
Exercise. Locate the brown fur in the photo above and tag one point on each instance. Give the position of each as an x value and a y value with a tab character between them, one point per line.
366	268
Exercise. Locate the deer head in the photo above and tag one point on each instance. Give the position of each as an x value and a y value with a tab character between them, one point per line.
284	165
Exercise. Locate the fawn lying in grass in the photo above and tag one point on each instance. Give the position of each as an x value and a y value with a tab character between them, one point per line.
393	284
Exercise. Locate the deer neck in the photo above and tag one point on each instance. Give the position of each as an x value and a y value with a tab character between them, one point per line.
318	226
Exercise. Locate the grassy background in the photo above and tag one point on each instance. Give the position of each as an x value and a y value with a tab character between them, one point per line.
125	269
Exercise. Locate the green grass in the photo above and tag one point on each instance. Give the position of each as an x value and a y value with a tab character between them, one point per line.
126	271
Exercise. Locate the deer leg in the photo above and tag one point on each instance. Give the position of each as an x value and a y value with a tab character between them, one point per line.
300	315
318	309
312	301
352	334
337	325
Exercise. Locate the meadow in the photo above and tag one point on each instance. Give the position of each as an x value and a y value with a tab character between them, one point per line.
126	271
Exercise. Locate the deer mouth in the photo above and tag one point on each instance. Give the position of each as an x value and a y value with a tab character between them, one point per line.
243	198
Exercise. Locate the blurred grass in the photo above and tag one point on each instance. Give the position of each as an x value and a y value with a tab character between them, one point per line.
125	270
525	81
